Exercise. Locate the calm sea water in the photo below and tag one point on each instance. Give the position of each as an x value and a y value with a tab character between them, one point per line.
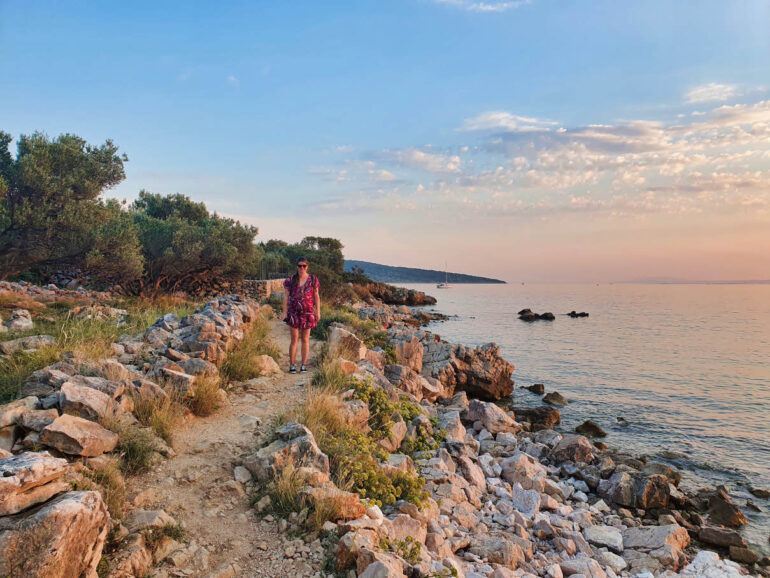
687	367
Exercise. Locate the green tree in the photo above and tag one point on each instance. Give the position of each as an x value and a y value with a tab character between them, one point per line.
184	245
51	214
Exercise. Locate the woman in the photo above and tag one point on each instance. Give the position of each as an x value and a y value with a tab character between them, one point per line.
301	310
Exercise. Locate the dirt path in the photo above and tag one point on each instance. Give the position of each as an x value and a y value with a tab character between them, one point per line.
197	487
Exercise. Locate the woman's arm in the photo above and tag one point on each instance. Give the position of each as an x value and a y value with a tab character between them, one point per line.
285	303
317	305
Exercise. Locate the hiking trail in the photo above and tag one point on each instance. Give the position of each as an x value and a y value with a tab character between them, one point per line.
224	535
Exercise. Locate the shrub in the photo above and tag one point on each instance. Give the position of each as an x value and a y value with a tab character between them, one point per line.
154	534
285	491
408	548
205	398
162	414
239	364
136	445
110	483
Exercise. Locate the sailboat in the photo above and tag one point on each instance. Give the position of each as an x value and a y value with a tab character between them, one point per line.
445	284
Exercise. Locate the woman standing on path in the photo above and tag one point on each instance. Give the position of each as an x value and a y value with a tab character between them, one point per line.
301	310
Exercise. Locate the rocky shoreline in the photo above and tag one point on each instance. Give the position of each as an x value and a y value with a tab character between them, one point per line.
506	495
509	496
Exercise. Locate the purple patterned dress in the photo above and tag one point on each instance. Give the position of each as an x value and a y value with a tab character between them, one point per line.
301	308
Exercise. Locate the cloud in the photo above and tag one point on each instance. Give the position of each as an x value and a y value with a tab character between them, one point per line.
233	81
489	6
425	160
505	121
712	92
506	165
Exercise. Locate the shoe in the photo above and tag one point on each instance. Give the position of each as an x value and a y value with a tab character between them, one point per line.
293	369
303	369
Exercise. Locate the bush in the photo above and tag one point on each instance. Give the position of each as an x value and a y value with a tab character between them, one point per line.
136	447
111	485
205	398
285	492
239	365
162	414
153	535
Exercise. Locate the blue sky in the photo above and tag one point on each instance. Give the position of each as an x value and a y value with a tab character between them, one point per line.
579	140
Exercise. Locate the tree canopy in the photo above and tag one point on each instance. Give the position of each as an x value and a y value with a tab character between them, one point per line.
51	216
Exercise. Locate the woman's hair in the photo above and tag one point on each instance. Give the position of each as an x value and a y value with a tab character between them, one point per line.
295	277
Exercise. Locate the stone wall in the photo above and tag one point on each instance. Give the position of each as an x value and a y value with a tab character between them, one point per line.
257	289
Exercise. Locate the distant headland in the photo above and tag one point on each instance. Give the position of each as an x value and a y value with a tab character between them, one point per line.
389	274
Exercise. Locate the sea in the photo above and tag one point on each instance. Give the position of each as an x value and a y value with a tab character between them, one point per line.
678	373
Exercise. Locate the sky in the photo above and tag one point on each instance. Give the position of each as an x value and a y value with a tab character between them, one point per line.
533	141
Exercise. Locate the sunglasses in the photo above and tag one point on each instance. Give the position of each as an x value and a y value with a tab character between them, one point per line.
302	266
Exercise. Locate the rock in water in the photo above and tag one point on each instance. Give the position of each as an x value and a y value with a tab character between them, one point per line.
536	388
721	510
544	416
555	398
63	538
591	429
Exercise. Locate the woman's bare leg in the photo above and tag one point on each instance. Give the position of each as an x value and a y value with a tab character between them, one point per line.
293	345
305	345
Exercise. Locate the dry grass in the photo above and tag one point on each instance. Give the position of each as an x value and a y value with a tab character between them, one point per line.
109	482
321	413
16	368
239	365
162	414
136	445
86	338
330	377
285	491
324	510
205	398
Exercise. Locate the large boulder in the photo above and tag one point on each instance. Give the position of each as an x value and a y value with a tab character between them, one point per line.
294	447
408	349
525	470
406	379
541	417
342	343
63	538
491	417
635	490
665	543
77	436
11	413
28	479
573	448
21	320
85	402
479	371
198	367
498	550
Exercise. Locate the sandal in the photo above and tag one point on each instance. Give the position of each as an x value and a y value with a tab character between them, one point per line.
293	369
303	369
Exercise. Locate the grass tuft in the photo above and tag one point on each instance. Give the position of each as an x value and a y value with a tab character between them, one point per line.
16	368
205	398
110	483
162	414
285	492
239	365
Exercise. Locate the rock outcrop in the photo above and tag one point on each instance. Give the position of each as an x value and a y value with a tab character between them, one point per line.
64	537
